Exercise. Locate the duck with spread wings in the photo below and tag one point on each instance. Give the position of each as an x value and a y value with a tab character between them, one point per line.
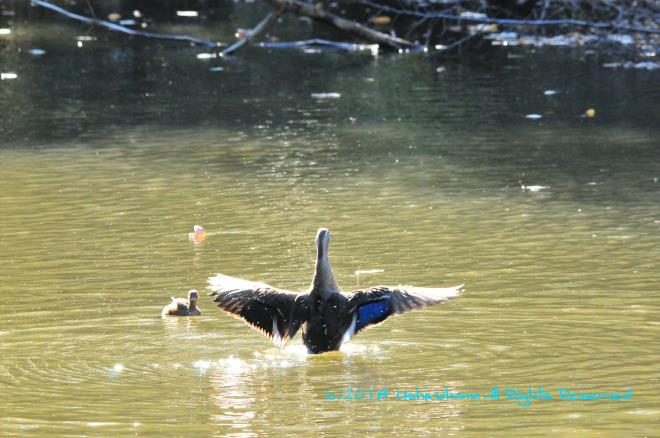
328	316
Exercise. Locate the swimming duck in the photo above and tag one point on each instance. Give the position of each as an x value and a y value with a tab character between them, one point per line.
328	317
183	306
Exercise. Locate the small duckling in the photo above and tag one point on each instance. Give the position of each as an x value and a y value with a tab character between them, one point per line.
182	306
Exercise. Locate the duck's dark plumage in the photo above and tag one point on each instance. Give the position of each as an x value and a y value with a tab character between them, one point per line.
327	316
272	311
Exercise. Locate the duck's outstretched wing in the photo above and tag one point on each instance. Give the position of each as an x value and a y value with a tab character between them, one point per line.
374	305
276	313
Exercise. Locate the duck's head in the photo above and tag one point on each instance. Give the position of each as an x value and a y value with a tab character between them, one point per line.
192	297
322	242
324	279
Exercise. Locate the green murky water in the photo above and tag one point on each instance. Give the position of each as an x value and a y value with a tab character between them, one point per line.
111	154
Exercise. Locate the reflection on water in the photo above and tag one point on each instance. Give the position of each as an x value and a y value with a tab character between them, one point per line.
105	170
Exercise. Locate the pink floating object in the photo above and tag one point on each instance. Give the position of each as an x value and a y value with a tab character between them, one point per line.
198	234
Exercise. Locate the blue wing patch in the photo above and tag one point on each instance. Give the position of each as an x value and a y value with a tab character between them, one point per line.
372	313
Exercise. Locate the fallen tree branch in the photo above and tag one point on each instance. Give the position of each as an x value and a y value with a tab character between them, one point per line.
317	42
359	30
260	28
122	29
263	25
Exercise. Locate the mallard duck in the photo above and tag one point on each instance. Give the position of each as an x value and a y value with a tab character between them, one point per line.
183	306
328	316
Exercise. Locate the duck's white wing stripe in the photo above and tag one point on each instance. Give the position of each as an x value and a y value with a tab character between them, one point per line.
429	295
277	336
348	334
221	282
